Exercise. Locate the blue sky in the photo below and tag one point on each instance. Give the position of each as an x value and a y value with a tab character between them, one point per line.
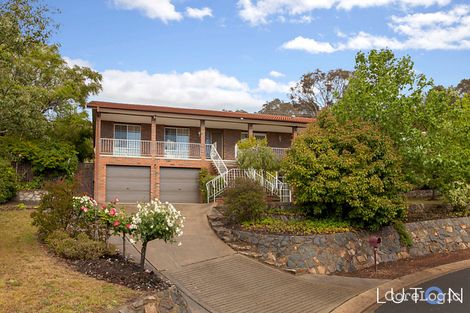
238	54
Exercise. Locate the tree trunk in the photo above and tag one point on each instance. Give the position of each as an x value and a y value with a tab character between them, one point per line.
124	245
142	255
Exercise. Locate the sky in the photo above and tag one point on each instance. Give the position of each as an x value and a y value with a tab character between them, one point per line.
222	54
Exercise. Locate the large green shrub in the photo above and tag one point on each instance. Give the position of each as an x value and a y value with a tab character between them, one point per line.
48	158
244	201
55	211
347	170
204	178
7	181
255	153
458	196
79	248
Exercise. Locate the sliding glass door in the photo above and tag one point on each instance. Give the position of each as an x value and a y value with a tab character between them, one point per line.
127	140
177	143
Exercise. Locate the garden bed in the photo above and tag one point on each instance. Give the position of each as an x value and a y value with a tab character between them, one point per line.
117	270
392	270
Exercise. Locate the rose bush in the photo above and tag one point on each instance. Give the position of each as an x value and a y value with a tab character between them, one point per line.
156	220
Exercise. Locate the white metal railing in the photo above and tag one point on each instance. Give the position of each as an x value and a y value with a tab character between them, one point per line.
217	160
279	152
125	147
177	150
270	182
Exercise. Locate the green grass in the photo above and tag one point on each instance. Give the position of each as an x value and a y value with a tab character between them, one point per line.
33	281
298	227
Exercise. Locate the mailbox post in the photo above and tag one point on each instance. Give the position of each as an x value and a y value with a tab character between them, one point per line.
375	242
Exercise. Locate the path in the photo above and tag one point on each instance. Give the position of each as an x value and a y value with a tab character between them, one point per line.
220	280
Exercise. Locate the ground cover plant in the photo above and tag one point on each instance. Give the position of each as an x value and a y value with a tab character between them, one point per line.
297	227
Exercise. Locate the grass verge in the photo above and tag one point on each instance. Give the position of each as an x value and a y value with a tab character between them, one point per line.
297	227
33	281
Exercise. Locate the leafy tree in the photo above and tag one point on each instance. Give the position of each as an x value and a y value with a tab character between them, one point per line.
7	181
346	170
464	86
318	89
256	154
279	107
35	81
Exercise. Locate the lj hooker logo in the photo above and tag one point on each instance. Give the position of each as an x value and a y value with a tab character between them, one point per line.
431	295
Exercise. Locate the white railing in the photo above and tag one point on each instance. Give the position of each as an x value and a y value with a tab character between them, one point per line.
271	183
279	152
177	150
125	147
217	160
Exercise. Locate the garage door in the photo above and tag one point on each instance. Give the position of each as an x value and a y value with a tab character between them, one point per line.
128	183
179	185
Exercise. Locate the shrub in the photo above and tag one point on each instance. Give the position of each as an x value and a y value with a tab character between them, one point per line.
156	220
55	212
298	227
346	171
405	237
7	181
244	201
79	248
459	197
204	178
255	153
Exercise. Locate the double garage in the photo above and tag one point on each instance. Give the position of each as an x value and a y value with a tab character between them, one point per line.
133	184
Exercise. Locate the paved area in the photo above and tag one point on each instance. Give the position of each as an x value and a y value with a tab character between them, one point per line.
216	279
458	281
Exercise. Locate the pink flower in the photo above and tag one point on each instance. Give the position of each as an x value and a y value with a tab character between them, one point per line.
103	206
112	212
84	209
116	200
128	226
116	223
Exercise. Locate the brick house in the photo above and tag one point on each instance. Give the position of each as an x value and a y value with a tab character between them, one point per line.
144	152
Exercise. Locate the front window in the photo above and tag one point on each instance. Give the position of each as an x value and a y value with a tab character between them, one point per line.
127	140
258	136
177	143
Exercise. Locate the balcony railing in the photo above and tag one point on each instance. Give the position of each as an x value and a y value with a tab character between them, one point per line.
125	147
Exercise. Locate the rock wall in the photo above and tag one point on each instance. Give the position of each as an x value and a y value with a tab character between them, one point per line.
30	195
349	251
168	301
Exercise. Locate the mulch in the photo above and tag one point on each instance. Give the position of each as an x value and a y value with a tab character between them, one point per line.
392	270
119	271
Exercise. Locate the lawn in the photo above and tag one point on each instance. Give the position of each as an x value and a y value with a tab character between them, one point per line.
31	280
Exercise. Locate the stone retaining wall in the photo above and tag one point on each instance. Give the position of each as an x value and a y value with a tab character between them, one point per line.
349	251
30	195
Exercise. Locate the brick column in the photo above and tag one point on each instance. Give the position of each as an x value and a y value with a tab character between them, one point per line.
294	132
250	130
202	134
154	167
97	174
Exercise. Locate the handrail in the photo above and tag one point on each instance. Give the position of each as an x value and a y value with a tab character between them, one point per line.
217	160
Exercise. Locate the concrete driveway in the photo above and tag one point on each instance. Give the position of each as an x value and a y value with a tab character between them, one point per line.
220	280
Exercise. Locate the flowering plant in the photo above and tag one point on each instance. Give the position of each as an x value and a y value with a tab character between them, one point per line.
156	220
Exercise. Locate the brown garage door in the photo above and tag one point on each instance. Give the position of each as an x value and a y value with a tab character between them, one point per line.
179	185
128	183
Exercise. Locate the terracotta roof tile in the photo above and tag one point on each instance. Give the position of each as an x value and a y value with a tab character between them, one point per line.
165	109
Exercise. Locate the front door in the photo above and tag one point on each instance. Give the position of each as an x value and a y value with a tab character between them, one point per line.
176	143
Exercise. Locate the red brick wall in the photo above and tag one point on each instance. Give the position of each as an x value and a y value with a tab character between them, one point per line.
279	140
155	164
231	137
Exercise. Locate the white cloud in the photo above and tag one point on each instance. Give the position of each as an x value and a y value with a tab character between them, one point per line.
156	9
80	62
200	89
258	11
309	45
199	13
276	74
267	85
441	30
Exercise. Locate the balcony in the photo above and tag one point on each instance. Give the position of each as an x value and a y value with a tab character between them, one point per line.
146	148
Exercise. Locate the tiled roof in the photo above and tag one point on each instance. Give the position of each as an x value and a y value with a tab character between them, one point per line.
165	109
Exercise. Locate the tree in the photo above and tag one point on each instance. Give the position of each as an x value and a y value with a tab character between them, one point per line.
346	170
463	86
35	81
256	154
318	89
279	107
